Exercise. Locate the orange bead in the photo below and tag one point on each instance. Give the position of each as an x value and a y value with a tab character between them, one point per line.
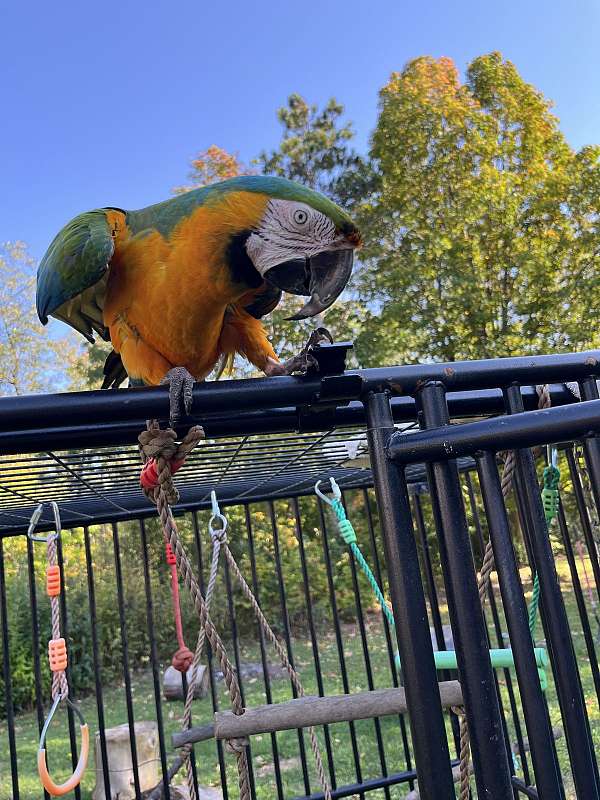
53	580
57	654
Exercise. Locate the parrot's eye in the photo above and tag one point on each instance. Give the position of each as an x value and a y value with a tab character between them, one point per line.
300	216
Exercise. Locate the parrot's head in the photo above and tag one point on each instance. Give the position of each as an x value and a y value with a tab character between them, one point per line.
303	244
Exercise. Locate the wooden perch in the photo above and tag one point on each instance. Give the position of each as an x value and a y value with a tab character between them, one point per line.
306	711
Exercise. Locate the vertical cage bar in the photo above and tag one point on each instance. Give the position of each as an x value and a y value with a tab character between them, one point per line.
209	663
580	600
313	636
263	652
584	514
538	725
555	621
387	631
339	639
238	663
430	744
125	658
499	639
367	660
154	660
287	634
96	658
10	712
497	628
490	763
432	595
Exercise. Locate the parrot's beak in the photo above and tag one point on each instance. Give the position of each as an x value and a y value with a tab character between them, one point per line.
323	277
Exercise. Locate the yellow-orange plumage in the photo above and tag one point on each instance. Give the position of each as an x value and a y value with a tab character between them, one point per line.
172	301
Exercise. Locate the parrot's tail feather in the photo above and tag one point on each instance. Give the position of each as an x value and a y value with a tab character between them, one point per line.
225	364
114	371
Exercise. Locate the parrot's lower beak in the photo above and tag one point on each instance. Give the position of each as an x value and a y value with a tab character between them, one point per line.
323	277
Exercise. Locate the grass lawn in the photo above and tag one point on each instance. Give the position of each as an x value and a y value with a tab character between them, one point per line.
286	742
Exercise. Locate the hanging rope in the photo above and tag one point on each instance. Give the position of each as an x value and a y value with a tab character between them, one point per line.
183	657
158	485
293	675
154	446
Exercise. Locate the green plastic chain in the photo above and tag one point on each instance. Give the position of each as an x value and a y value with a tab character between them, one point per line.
349	536
550	499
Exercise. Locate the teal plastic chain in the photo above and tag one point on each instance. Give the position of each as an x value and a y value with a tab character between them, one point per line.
550	500
348	534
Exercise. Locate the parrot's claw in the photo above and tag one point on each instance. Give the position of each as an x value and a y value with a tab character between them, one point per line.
305	360
181	383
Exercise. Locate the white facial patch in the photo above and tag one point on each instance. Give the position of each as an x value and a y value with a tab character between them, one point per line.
291	230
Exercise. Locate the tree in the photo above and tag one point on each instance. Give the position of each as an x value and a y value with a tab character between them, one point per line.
482	225
212	165
30	359
87	369
315	150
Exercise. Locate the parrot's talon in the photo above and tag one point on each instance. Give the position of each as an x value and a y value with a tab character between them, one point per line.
305	360
181	384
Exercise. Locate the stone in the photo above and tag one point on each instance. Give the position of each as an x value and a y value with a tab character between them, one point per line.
448	638
120	768
173	686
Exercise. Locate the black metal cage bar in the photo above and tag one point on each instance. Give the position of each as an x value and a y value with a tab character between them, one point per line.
415	451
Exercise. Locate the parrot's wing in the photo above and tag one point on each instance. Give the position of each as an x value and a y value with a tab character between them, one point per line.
265	302
71	280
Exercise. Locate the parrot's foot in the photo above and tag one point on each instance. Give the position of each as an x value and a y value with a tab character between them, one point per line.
301	363
181	383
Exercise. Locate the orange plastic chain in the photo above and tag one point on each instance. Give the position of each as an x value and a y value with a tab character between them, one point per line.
58	660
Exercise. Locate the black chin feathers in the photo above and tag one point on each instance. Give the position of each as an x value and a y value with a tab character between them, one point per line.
242	269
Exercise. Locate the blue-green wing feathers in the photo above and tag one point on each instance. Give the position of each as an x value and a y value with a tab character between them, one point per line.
72	274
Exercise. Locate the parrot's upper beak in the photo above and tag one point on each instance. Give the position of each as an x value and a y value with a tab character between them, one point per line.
323	277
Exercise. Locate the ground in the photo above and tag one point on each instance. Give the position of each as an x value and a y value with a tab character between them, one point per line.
287	742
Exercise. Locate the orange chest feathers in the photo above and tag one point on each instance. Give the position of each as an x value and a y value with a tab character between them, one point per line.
173	292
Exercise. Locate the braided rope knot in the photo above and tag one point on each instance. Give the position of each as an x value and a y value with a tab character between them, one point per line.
345	527
237	745
219	535
162	457
182	659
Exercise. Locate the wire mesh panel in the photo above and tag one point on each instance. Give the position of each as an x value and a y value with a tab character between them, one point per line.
534	721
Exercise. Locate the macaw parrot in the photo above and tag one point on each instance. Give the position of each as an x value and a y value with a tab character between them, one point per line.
179	286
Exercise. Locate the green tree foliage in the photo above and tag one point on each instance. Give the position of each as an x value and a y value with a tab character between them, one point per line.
30	360
315	150
87	370
482	226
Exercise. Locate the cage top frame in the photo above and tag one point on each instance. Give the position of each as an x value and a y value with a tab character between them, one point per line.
267	438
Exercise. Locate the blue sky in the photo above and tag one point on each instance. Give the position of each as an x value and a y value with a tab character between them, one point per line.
104	104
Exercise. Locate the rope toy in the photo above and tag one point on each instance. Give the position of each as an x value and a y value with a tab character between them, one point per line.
58	660
161	446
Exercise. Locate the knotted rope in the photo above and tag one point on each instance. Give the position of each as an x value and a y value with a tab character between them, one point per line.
157	482
283	657
159	453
